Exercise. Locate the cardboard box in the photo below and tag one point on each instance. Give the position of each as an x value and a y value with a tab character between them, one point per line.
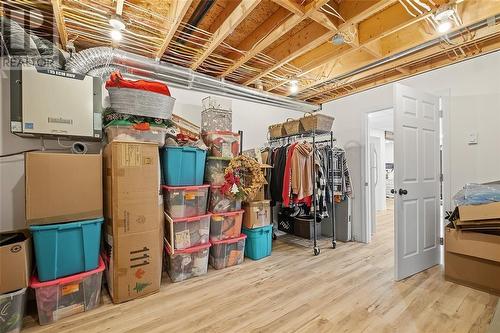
62	187
15	260
134	220
480	212
473	259
257	214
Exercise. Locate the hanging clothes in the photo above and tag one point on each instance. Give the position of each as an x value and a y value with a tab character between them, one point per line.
302	160
341	177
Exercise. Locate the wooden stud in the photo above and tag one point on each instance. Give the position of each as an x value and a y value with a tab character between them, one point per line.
275	35
232	21
176	15
61	28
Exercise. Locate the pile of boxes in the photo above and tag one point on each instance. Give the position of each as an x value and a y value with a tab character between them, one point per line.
64	214
472	247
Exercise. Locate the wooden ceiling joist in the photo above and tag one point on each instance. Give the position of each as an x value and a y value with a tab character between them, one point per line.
61	27
119	7
275	34
231	22
179	9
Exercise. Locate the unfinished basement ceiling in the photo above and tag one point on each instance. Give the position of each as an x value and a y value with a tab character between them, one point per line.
269	43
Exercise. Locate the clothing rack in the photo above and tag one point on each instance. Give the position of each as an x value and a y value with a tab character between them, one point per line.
313	135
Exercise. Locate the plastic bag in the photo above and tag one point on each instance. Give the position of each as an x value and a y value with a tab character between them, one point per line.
477	194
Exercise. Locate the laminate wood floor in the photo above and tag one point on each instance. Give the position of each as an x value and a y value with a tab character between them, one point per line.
349	289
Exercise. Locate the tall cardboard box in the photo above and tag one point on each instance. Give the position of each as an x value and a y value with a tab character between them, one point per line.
15	260
62	187
134	220
473	259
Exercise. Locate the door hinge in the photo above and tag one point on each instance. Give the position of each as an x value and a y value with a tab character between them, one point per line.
441	177
441	114
441	241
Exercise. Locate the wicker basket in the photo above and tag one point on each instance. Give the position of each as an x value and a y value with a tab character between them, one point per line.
276	131
316	122
292	126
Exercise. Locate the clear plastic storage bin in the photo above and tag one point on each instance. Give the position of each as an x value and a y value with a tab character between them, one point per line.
187	263
215	169
228	252
67	296
129	133
220	203
185	201
222	143
187	232
225	225
12	307
217	103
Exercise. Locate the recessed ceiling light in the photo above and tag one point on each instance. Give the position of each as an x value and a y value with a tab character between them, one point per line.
116	23
116	35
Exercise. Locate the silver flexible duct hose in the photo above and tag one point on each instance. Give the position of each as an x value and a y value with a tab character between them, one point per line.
101	61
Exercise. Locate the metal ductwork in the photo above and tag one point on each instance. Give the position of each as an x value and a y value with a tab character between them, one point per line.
101	61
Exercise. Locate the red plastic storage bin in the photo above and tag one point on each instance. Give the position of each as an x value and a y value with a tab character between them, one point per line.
67	296
187	263
187	232
225	225
228	252
185	201
220	203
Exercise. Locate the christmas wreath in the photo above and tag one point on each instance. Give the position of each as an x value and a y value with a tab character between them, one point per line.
243	178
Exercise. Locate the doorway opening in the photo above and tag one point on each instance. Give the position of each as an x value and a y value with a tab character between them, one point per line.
381	173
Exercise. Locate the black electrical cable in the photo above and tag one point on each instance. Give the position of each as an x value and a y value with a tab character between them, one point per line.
19	153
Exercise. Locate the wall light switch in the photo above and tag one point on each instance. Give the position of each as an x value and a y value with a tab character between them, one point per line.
472	139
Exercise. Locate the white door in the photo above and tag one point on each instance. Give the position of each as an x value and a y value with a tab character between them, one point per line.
416	181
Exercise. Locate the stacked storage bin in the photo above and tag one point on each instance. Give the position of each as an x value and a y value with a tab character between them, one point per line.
228	243
187	222
258	229
66	236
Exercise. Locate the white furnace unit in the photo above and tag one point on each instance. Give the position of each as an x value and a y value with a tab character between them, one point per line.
55	103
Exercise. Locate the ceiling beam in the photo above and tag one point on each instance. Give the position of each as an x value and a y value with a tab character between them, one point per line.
119	7
227	27
61	28
176	14
406	61
275	34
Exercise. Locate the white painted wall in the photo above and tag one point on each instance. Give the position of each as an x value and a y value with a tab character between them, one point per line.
250	117
389	151
473	92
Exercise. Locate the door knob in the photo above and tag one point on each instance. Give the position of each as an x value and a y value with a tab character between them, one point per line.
393	191
402	192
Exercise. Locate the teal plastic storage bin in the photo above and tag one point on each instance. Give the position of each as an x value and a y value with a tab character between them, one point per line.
183	166
67	248
259	242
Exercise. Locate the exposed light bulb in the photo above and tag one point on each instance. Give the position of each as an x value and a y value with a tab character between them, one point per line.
444	26
116	23
294	86
338	39
116	35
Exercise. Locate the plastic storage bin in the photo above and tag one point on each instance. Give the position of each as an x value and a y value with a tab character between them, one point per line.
304	228
228	252
183	166
215	169
185	201
220	203
129	133
259	242
257	214
187	263
187	232
67	296
222	143
12	307
67	248
225	225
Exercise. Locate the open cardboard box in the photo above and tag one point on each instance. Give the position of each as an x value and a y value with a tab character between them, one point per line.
473	259
15	260
480	212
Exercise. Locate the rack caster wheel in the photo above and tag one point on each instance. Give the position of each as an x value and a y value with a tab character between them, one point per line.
317	251
334	244
275	237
